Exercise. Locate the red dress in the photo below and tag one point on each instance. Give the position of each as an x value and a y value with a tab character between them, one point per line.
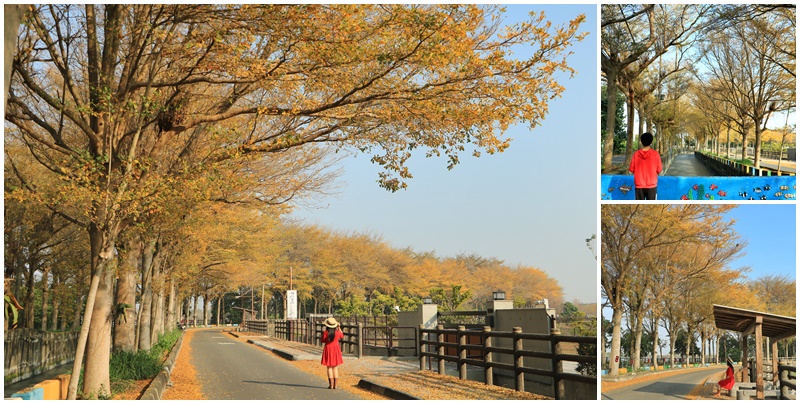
727	382
332	352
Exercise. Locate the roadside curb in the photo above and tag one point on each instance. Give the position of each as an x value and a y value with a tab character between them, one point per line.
385	391
285	354
156	388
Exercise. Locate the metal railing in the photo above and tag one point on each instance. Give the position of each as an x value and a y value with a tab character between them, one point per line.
434	349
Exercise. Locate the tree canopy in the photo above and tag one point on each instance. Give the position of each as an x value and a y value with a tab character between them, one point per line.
129	121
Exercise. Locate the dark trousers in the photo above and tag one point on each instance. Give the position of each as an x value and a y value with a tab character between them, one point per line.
646	194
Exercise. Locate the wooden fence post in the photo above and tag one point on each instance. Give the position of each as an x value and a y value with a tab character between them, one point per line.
360	337
519	376
462	353
558	366
421	348
440	347
487	356
390	331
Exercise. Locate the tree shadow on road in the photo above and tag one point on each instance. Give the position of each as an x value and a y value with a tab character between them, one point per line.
285	384
665	387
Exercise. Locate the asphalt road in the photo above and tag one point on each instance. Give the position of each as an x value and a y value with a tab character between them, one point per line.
228	369
675	387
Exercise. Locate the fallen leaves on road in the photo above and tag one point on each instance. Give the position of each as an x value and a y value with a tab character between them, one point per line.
184	377
347	382
606	386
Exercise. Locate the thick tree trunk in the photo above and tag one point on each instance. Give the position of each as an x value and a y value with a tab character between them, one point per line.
12	16
611	110
171	319
194	310
655	344
102	249
97	382
702	347
206	306
637	346
76	318
29	293
55	314
125	325
616	323
157	316
45	297
219	308
144	342
631	144
757	147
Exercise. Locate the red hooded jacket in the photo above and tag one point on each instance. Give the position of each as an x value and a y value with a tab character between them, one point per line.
645	166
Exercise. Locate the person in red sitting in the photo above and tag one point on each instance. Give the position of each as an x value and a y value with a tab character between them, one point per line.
728	381
332	352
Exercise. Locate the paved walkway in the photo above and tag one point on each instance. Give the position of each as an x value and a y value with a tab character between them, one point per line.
678	384
687	165
398	378
229	370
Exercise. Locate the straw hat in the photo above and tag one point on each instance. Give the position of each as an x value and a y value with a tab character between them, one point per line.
730	362
331	323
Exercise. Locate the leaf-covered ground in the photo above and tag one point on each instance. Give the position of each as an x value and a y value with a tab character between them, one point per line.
701	391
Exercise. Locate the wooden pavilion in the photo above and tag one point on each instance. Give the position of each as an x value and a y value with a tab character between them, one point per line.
747	322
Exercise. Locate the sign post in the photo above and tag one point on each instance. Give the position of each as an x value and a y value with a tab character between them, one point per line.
291	304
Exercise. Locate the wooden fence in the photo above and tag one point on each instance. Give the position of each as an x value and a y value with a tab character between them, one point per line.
31	352
788	381
433	347
356	337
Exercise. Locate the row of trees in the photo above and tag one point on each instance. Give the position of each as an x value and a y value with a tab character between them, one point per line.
125	122
665	266
247	253
696	71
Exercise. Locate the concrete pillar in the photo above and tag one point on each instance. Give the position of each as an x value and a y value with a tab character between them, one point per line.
502	304
426	316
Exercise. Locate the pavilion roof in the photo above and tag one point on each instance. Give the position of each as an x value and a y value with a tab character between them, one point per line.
741	320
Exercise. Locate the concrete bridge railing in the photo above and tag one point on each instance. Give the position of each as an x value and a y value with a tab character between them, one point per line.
621	187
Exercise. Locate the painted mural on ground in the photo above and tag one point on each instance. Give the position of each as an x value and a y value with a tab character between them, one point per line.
620	188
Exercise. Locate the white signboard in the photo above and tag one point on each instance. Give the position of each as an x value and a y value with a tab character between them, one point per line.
291	304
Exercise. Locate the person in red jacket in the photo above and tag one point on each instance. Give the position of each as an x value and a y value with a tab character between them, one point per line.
332	352
645	166
728	381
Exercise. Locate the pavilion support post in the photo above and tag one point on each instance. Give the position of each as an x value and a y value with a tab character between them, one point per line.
759	359
774	352
745	359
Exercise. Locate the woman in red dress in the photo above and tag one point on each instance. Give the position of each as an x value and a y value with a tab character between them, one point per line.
728	381
332	352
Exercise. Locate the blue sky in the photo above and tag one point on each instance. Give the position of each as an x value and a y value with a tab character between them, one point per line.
534	205
771	234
